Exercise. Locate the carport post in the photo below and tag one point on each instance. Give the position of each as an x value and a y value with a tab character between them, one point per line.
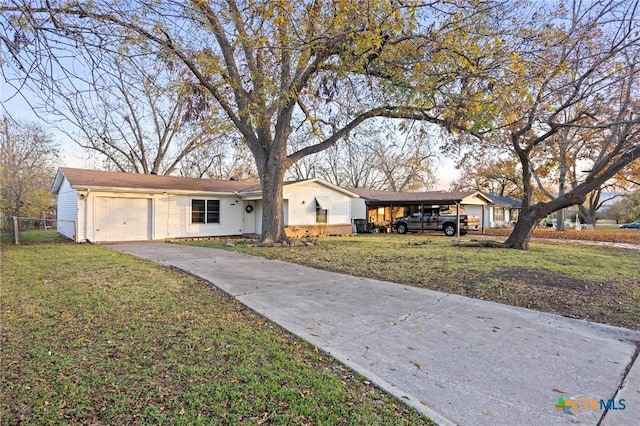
457	220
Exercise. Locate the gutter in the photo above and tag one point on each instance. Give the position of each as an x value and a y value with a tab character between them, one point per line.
155	191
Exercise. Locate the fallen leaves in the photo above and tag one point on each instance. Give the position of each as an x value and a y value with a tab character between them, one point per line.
613	235
168	347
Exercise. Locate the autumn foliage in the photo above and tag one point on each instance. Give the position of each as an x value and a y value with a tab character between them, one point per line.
612	235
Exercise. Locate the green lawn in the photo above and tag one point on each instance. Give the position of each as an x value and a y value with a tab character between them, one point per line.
91	336
594	283
31	236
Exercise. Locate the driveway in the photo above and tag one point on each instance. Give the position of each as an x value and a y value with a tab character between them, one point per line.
457	360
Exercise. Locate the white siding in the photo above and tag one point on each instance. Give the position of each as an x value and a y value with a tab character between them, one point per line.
489	217
300	213
358	208
477	211
99	215
172	217
68	211
258	212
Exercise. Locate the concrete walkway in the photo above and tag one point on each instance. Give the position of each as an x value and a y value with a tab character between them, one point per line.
457	360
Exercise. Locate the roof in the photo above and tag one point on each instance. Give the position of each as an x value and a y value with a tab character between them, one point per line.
430	197
83	179
505	201
80	179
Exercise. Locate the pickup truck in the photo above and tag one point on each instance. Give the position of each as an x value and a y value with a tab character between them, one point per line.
434	221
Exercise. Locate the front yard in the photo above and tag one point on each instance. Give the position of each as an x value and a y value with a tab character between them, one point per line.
91	336
598	284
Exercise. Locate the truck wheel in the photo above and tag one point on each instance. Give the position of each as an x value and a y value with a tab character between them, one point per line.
449	229
401	228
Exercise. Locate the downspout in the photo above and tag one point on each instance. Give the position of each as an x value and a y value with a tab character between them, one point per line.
86	215
352	214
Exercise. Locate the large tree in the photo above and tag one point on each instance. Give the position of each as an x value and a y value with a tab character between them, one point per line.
626	209
378	156
228	159
130	110
489	175
578	71
274	67
320	69
28	157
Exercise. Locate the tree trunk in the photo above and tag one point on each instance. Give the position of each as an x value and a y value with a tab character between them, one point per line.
272	182
527	221
561	217
590	210
531	216
272	211
588	214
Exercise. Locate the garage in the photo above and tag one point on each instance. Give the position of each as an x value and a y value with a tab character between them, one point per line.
122	219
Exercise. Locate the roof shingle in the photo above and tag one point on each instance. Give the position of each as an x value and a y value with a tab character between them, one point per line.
82	178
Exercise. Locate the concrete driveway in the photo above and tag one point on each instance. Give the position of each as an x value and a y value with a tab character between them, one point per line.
457	360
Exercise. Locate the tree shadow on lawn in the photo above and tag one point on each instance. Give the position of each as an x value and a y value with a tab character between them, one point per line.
591	300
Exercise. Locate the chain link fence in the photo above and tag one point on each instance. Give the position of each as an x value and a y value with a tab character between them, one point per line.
25	230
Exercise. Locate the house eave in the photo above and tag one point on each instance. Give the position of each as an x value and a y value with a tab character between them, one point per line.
57	182
116	189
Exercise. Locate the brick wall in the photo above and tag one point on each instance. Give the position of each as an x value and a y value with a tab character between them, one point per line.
301	231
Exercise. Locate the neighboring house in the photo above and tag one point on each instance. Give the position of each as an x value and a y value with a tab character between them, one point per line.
502	213
382	208
103	206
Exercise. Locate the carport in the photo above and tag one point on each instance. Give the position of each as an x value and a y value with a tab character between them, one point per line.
384	207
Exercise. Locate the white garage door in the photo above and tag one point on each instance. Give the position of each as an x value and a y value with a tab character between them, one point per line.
122	219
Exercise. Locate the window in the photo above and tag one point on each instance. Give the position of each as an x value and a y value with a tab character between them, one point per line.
514	214
321	214
205	211
498	214
323	204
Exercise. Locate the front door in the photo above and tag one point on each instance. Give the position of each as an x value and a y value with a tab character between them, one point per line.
249	217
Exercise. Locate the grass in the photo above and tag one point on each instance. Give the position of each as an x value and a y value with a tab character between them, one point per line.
91	336
600	284
33	235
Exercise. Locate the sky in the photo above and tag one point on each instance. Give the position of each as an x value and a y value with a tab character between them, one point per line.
72	156
17	108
